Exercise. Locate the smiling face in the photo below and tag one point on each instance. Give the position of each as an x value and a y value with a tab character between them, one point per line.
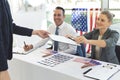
102	22
58	17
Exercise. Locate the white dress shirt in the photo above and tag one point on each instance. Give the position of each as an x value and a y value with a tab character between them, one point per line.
64	29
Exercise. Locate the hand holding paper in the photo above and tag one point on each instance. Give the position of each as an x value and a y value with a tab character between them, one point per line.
62	39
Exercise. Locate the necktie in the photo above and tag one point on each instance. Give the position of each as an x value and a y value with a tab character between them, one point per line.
56	42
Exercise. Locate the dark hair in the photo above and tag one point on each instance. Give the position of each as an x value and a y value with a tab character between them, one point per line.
109	15
58	7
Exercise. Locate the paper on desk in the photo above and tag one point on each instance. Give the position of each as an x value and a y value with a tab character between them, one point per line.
19	50
102	73
62	39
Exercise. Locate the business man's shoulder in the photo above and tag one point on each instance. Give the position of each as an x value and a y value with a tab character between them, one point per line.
67	25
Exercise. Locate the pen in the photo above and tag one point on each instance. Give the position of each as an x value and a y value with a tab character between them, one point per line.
87	71
25	44
71	38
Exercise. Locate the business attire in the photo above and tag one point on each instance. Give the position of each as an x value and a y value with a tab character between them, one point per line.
107	53
117	48
64	29
7	28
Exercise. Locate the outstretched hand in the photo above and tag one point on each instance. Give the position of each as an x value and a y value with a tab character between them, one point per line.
41	33
80	39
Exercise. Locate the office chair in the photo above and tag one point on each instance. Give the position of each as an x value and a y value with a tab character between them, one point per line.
117	50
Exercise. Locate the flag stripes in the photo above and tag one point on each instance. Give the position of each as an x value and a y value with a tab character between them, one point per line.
83	20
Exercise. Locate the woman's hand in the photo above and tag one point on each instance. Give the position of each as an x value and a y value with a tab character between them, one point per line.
70	37
80	39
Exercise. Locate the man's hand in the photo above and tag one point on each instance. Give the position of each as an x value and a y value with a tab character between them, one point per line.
41	33
27	47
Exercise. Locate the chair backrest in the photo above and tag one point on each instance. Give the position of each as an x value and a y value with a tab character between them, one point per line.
117	50
81	51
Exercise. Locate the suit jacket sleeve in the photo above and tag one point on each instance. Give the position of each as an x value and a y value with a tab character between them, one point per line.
22	30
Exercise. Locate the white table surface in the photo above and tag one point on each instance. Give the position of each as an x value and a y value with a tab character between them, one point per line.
26	67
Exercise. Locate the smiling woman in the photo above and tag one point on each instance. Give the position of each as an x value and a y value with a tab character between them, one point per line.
102	39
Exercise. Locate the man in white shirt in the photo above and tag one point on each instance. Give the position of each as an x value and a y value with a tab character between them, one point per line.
64	29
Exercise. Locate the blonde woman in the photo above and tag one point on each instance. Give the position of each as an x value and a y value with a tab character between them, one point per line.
102	39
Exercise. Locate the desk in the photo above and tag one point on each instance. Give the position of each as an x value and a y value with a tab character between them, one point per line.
25	67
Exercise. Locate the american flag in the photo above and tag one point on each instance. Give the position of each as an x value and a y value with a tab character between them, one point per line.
79	19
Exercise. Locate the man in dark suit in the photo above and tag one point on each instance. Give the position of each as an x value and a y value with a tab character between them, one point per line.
7	28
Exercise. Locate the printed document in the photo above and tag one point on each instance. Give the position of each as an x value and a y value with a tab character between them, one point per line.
62	39
102	72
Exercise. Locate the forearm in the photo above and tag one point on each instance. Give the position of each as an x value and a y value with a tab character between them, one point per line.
100	43
34	32
42	42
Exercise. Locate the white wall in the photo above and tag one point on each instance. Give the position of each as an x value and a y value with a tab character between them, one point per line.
117	28
35	19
